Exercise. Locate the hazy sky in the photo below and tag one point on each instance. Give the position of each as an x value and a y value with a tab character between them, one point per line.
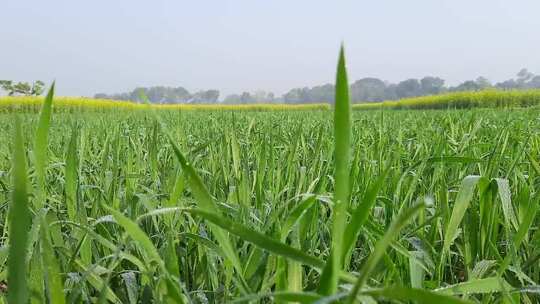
115	45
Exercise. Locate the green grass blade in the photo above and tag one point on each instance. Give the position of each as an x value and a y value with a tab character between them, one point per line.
503	189
398	223
71	176
50	263
295	214
527	222
97	282
136	233
463	200
342	155
294	297
40	145
360	215
259	239
411	294
479	286
19	223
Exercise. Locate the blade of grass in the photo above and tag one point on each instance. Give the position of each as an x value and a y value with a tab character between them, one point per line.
398	223
411	294
463	199
40	146
360	215
19	223
136	233
342	155
487	285
259	239
50	263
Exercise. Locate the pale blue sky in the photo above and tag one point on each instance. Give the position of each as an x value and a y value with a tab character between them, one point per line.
114	45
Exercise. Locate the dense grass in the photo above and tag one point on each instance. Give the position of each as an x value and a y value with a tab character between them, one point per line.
271	173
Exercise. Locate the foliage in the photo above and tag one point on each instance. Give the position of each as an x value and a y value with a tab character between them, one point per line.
165	95
22	88
258	167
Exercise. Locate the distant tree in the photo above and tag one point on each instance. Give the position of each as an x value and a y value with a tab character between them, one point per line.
162	94
7	85
507	85
408	88
270	97
469	85
534	83
321	94
297	95
523	76
22	88
157	94
390	91
432	85
316	94
368	89
209	96
246	98
483	83
524	79
232	99
261	96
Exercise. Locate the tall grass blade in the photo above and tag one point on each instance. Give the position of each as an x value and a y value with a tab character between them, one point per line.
398	223
342	155
19	223
360	215
463	199
136	233
54	284
40	145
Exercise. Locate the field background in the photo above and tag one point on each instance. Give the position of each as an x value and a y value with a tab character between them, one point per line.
259	167
490	98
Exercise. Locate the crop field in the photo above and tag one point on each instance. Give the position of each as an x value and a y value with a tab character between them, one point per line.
304	206
456	100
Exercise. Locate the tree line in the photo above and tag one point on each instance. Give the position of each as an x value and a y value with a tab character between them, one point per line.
162	94
367	89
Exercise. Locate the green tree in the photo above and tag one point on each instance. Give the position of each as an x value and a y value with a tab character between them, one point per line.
432	85
22	88
408	88
209	96
368	89
483	82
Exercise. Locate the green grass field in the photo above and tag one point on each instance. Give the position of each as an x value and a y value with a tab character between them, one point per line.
303	206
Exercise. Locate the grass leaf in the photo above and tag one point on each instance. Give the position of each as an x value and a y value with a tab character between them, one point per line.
19	223
342	155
